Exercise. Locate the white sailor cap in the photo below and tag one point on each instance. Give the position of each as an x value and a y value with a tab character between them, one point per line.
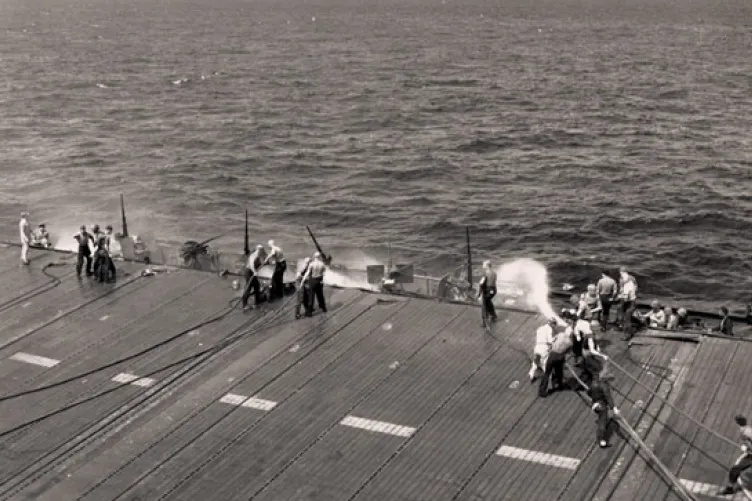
316	255
271	243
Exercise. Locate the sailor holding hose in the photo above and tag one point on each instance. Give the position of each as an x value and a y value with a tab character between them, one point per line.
487	290
544	339
280	265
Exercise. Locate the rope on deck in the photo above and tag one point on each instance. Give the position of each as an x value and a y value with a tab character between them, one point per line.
680	490
673	407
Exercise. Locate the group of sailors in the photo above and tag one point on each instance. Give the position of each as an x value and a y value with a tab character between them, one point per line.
40	237
597	301
96	244
310	279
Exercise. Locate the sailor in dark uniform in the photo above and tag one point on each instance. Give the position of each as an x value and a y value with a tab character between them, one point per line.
255	260
304	288
315	273
280	265
487	290
83	238
603	405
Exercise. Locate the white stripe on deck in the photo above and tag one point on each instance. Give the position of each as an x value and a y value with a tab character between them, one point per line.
134	380
34	359
539	457
378	426
711	490
251	403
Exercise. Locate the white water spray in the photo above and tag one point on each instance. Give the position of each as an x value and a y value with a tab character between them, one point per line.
531	278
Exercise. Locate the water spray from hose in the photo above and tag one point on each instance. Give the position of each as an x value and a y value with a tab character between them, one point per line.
531	279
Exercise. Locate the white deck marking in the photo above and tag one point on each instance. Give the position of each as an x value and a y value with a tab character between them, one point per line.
710	490
35	359
134	380
539	457
104	318
26	304
249	402
378	426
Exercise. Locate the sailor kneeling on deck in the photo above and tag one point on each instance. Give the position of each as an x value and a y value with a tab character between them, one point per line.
487	290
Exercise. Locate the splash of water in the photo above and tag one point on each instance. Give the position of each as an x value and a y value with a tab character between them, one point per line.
531	279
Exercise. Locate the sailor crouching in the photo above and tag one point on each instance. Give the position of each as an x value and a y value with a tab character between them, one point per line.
255	260
487	290
304	288
603	405
315	275
555	364
280	266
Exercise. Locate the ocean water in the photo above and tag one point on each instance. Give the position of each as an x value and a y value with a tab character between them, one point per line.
585	134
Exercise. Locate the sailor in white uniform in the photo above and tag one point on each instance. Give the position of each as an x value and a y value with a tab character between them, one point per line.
280	265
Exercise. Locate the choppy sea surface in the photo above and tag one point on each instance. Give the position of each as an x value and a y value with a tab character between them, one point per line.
582	133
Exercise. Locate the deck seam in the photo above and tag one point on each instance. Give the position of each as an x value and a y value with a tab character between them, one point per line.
99	430
433	414
116	332
257	422
708	407
375	386
231	409
70	311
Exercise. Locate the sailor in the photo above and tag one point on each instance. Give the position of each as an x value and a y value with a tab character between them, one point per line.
304	288
101	261
743	465
585	348
544	338
96	235
280	265
255	260
555	364
672	319
42	237
487	290
315	274
607	291
628	296
24	230
726	326
83	238
108	236
590	303
655	318
603	405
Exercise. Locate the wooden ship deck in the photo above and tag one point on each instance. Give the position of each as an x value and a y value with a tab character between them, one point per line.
116	392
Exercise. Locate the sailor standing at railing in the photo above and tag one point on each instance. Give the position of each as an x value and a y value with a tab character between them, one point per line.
255	260
83	238
487	290
304	288
280	265
315	274
24	229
